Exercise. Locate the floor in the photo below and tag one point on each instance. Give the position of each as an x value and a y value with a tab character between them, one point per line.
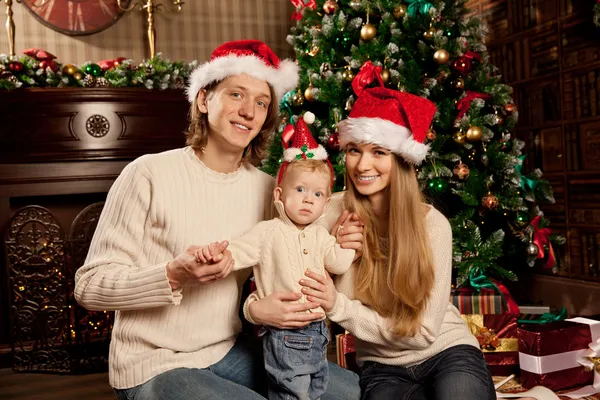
27	386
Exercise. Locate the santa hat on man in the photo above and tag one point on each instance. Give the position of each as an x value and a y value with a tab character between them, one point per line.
303	146
250	57
397	121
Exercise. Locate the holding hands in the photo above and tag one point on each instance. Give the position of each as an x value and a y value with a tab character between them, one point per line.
319	289
201	264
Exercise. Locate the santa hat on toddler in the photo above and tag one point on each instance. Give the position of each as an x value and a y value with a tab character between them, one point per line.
303	146
250	57
397	121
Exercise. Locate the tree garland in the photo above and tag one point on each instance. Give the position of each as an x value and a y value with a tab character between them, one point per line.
38	68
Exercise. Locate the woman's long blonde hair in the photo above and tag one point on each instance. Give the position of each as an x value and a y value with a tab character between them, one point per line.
395	280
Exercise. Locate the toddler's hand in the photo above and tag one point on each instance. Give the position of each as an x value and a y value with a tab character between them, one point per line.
207	254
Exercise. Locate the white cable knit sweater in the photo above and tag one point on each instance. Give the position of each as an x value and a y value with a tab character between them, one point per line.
442	326
160	205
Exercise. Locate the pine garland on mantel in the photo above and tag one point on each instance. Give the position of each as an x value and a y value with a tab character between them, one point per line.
38	68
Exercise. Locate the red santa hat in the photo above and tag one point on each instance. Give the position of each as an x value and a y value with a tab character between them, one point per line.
250	57
397	121
303	146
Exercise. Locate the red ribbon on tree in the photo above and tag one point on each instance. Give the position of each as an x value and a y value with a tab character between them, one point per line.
464	103
367	74
541	237
300	5
471	55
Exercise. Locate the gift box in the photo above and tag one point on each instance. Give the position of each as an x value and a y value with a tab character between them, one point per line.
497	337
346	353
559	355
487	301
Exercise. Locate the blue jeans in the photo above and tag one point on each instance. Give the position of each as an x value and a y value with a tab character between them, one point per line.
296	362
459	372
239	375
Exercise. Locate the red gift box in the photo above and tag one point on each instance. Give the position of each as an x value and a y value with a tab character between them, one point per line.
551	354
487	301
346	353
503	358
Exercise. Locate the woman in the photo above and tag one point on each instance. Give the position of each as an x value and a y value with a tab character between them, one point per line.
176	327
410	340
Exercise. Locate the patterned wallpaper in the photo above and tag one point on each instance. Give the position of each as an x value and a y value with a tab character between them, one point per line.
189	35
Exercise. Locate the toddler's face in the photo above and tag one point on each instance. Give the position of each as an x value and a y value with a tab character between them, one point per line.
304	195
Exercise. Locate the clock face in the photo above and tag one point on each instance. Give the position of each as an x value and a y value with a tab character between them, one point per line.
76	17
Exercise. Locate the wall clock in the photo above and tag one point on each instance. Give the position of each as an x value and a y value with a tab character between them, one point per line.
76	17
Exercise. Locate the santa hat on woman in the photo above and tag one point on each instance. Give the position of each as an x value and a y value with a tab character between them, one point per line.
303	146
397	121
250	57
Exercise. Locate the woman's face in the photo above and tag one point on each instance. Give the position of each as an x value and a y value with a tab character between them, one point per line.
369	167
237	109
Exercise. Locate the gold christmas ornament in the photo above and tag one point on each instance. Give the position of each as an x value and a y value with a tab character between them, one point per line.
474	134
330	6
385	76
349	104
309	93
297	99
441	56
458	84
499	119
77	76
490	201
428	34
400	11
459	138
461	171
368	31
314	49
69	69
347	74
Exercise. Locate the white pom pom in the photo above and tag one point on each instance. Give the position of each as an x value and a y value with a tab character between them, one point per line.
309	117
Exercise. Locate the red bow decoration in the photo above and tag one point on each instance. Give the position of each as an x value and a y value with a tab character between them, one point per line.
541	237
367	74
300	5
39	54
108	64
472	55
286	136
464	103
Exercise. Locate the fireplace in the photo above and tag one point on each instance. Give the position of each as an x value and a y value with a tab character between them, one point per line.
61	151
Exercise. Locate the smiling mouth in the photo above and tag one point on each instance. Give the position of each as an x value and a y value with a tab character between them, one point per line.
370	178
240	126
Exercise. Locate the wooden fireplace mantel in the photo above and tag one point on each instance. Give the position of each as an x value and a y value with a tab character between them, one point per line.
68	142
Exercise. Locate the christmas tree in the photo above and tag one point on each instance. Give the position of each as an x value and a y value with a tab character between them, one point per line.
475	172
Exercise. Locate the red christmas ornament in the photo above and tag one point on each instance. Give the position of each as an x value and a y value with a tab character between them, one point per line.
43	64
490	201
53	66
334	141
330	6
462	65
461	171
16	66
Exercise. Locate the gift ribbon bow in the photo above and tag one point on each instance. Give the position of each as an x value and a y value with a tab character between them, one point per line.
479	281
464	103
418	7
525	182
541	237
300	5
591	360
546	318
367	74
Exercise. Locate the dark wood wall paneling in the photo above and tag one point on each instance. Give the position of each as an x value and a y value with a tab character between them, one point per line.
549	52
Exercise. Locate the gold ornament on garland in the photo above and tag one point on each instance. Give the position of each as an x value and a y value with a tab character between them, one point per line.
400	11
441	56
385	76
330	6
77	76
69	69
368	32
489	201
474	134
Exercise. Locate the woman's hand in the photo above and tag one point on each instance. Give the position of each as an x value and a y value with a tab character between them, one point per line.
348	231
280	311
319	289
187	266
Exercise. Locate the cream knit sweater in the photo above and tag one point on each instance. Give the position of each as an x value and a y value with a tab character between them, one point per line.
160	205
442	326
280	254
